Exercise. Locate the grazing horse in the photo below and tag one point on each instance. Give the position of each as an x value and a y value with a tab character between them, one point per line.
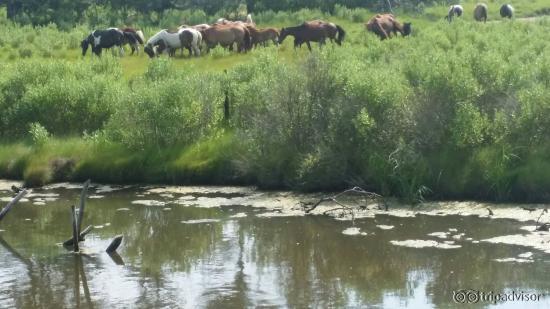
166	40
134	38
454	10
100	39
226	36
191	39
480	12
506	11
262	36
314	31
384	24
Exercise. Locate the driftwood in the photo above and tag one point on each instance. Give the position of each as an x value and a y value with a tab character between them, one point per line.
114	244
82	204
334	198
8	207
76	220
365	195
75	229
81	236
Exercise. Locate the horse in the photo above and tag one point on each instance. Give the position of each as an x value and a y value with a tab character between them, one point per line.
314	31
166	40
454	10
247	22
384	24
506	11
334	32
226	36
480	12
100	39
134	38
262	36
199	27
191	39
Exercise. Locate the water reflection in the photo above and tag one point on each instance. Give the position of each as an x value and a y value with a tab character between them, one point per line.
246	262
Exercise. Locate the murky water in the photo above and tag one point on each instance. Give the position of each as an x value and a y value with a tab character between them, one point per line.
176	255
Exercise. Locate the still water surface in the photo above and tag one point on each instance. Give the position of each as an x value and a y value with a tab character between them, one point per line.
236	259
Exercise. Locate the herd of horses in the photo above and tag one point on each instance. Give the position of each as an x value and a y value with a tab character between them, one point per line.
245	35
480	12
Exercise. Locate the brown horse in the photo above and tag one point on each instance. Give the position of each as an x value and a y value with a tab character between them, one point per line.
262	36
226	36
134	38
384	24
313	31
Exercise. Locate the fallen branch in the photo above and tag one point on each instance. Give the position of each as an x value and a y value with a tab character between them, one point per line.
75	229
357	190
81	237
114	244
8	207
545	227
82	204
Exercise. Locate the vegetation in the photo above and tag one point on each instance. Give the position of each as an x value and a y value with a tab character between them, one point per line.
455	111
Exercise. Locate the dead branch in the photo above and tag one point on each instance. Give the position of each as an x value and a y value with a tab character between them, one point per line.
81	237
355	190
544	227
82	204
75	229
8	207
114	244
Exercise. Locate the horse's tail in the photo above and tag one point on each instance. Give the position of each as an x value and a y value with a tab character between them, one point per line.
247	39
140	37
341	35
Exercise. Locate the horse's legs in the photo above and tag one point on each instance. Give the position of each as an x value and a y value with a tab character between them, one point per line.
308	45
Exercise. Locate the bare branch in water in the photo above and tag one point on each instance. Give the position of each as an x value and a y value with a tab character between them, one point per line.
365	195
545	227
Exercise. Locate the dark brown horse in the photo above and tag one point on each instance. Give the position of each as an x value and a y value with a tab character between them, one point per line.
313	31
383	25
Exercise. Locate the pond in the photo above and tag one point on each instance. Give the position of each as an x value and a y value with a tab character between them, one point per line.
197	247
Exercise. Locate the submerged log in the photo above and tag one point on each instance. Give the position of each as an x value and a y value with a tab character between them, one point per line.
81	237
8	207
114	244
75	229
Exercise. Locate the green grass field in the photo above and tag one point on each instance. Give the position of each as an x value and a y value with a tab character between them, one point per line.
221	60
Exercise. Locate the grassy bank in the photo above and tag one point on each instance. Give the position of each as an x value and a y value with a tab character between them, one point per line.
455	111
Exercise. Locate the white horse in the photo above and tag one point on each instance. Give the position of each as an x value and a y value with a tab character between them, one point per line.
170	41
454	10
